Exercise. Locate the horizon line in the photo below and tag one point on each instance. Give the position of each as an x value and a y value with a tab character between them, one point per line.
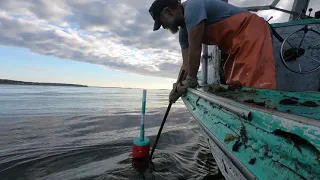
83	85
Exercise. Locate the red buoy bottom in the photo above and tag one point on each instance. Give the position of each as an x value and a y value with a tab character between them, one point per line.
140	164
140	151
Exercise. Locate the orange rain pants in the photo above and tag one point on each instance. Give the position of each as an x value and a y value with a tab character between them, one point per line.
247	39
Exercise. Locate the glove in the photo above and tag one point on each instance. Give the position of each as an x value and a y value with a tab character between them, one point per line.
189	82
174	95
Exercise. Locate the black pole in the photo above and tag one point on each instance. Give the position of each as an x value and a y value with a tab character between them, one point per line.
164	119
161	127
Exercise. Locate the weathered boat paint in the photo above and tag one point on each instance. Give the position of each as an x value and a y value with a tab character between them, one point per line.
305	104
260	133
269	146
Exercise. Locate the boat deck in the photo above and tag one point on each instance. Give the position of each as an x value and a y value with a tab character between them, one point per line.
304	104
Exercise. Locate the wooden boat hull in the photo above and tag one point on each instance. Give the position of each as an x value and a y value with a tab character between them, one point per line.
259	133
249	141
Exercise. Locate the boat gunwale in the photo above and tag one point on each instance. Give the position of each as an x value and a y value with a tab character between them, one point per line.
296	23
192	100
283	115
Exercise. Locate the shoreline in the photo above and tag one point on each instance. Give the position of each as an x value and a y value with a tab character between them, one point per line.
13	82
26	83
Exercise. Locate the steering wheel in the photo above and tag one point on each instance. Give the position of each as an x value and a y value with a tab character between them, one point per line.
293	53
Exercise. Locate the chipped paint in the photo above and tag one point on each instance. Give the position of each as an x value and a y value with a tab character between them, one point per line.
303	104
228	138
258	139
299	129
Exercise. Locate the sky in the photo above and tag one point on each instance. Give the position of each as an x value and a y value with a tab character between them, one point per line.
108	43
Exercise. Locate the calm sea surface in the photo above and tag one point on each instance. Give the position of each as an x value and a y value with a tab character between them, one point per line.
86	133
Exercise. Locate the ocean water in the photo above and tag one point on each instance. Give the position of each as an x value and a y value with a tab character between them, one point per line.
86	133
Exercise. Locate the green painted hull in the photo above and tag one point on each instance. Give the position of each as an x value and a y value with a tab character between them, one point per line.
259	133
272	134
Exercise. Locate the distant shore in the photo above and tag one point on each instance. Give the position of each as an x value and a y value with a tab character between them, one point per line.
12	82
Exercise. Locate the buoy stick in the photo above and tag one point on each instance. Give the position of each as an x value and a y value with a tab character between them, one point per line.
143	115
141	145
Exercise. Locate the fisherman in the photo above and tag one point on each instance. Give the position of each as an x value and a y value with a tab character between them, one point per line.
243	35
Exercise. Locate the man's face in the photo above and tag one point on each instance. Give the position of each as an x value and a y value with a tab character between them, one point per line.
168	21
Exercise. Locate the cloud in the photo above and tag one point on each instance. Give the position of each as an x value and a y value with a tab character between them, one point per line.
113	33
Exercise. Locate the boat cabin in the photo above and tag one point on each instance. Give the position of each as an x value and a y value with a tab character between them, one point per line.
296	46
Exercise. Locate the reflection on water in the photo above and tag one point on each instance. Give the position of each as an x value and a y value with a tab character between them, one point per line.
87	133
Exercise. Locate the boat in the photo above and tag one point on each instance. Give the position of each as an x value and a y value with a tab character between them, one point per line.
262	133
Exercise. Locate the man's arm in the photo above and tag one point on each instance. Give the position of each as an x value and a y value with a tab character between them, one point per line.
195	36
195	16
184	66
184	45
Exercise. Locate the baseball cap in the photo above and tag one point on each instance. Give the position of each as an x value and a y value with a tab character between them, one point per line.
155	10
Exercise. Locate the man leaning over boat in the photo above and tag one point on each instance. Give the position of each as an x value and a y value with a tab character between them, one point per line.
243	35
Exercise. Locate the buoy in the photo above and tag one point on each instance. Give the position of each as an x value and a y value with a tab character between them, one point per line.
141	145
